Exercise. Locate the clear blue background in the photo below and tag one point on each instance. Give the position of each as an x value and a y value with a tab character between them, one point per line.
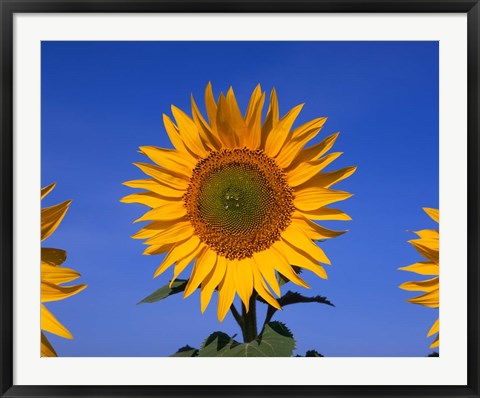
102	100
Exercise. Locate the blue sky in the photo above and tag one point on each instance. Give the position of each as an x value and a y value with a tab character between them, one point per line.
102	100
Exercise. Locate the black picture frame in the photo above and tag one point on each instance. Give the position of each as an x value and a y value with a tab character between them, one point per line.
10	7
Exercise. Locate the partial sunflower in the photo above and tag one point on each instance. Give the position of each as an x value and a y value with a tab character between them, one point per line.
428	247
237	197
53	275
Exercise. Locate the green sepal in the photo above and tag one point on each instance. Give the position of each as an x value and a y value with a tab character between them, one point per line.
282	280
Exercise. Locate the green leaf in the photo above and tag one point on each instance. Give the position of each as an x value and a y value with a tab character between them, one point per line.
251	349
294	298
165	291
276	341
186	351
216	344
313	353
310	353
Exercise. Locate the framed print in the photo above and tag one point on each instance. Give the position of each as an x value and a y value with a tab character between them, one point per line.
239	198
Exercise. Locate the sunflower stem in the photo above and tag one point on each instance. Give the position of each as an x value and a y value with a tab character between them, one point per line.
250	320
237	316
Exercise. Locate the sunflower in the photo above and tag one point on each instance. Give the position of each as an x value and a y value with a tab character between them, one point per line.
237	198
428	247
53	275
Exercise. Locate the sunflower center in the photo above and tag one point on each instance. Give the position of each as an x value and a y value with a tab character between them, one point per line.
239	202
235	198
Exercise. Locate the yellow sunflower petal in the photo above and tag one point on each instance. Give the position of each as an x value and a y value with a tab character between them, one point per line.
309	130
313	198
428	285
152	229
180	231
300	258
46	348
277	137
430	299
170	159
226	293
52	292
226	134
156	187
433	213
328	179
230	124
170	211
189	132
45	191
212	280
57	275
271	119
296	237
236	119
158	249
175	138
436	342
282	266
305	171
185	262
428	234
312	229
315	151
53	256
253	119
262	289
164	176
422	268
181	250
428	248
326	213
253	104
300	136
52	217
50	324
206	133
211	106
203	266
243	278
150	199
264	264
434	329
